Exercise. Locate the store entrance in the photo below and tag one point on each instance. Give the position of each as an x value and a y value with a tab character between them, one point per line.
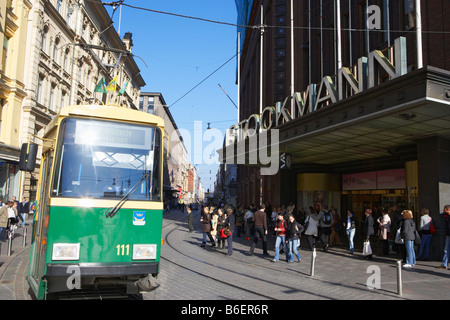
358	201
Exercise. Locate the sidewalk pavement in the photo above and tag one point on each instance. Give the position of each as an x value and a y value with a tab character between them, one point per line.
14	268
425	281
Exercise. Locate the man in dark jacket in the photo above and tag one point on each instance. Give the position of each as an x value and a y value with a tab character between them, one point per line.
190	218
446	222
368	228
260	223
23	208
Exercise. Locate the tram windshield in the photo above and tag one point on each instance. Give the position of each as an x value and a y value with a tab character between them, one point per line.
104	159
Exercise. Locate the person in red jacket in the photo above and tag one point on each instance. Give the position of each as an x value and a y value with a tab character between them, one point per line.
280	230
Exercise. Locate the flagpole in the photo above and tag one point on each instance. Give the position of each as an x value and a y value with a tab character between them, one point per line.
338	36
261	61
292	60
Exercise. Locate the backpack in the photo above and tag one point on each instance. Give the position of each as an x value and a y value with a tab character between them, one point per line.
224	233
327	217
300	230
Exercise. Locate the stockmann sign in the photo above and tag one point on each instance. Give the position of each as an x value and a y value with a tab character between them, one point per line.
318	96
257	127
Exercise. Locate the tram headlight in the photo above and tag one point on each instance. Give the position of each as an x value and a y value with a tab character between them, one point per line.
66	251
144	251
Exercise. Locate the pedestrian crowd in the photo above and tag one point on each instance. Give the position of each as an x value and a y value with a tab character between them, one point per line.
12	215
394	228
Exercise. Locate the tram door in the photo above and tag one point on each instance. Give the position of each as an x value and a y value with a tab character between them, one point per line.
37	263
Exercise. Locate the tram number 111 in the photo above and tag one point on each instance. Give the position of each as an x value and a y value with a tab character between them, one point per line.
123	250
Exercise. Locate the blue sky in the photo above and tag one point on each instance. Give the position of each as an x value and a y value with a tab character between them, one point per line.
180	53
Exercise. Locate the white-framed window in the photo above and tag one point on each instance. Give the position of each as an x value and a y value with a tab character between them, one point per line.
39	89
44	38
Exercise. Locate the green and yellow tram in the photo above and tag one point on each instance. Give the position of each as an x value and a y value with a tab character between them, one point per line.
98	222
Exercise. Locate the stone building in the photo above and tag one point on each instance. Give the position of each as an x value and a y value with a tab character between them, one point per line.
358	92
176	164
14	31
71	45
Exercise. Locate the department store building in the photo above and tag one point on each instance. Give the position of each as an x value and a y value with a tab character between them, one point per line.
362	115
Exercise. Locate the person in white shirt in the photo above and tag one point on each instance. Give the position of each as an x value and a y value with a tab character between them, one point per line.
248	221
311	226
424	230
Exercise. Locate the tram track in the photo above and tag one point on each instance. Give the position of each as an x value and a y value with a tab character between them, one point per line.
205	263
263	267
251	264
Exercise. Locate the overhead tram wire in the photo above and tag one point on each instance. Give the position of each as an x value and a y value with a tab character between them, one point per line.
207	77
121	2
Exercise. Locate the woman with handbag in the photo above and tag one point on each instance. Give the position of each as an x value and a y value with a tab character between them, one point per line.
221	218
409	235
206	227
293	233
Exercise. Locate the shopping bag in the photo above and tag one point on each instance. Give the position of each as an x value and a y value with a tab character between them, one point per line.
398	237
367	249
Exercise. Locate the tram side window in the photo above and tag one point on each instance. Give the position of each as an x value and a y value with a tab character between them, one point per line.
109	167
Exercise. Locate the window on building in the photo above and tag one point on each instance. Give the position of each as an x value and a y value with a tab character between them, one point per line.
63	98
80	71
44	38
5	52
39	89
2	104
83	30
409	14
88	79
281	53
281	76
66	59
69	15
151	105
55	50
141	103
281	42
59	6
52	97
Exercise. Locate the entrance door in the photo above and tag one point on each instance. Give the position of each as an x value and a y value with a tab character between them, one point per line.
39	249
358	203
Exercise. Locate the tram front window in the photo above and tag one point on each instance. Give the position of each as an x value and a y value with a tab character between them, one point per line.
102	159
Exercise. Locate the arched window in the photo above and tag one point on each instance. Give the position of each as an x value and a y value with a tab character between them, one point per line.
55	50
66	59
44	38
39	89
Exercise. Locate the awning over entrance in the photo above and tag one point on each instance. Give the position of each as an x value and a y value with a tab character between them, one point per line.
382	122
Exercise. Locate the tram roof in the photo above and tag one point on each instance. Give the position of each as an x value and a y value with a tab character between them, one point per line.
111	112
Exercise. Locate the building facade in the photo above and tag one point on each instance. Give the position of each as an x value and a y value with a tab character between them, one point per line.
358	93
14	17
179	177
